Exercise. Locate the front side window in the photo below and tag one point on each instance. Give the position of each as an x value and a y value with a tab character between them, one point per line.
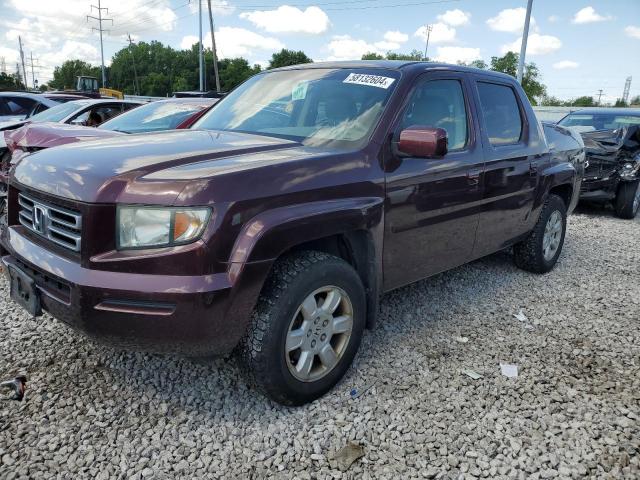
58	113
20	106
440	104
317	107
501	113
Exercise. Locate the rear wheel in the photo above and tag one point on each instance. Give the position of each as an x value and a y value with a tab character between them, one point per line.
539	252
306	328
627	202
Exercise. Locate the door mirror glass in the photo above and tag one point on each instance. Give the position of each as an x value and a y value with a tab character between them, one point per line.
423	142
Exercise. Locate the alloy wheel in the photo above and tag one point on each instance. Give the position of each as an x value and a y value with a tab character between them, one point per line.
552	235
319	333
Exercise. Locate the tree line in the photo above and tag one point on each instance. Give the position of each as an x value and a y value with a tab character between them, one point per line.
155	69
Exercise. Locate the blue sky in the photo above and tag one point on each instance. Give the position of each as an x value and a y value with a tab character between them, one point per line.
579	46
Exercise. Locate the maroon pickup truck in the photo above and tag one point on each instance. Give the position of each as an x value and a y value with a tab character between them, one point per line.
274	225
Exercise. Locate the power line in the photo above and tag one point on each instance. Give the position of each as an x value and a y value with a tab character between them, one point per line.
100	29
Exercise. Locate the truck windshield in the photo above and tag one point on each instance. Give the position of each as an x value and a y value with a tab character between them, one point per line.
317	107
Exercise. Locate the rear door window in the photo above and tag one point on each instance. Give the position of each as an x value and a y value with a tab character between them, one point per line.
501	113
20	106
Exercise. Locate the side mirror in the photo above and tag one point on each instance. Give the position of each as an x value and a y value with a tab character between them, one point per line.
424	142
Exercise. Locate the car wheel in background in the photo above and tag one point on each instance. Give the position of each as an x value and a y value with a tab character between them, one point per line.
306	327
539	252
627	202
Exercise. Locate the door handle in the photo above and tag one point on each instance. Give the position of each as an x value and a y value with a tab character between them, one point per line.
473	177
533	168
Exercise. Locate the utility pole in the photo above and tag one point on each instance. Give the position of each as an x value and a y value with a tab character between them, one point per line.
99	18
24	72
429	28
3	65
213	47
200	52
136	85
599	96
525	36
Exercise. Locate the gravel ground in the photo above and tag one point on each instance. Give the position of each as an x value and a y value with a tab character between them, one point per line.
573	411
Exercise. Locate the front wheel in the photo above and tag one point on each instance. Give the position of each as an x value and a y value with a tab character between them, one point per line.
627	202
539	252
306	327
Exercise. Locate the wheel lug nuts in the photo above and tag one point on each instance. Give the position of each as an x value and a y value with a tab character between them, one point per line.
325	323
323	337
313	343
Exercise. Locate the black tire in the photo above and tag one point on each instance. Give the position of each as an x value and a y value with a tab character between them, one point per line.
529	254
262	350
624	203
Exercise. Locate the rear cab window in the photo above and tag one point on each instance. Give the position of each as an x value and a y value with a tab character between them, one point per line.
501	113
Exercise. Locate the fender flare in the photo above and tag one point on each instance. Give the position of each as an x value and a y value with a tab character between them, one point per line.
271	233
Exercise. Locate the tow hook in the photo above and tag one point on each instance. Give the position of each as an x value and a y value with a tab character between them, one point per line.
18	385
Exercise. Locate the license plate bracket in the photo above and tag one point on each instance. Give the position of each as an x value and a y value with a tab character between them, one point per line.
23	291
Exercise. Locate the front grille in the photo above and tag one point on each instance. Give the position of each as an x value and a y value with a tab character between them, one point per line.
60	225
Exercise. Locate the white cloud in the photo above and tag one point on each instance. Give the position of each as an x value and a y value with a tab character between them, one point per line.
553	18
58	30
632	31
396	36
286	19
234	42
188	41
536	45
510	20
589	15
457	54
441	33
455	18
564	64
344	47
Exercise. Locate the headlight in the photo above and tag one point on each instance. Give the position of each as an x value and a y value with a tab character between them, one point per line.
144	227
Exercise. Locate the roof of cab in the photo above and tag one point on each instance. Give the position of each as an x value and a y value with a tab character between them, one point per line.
395	65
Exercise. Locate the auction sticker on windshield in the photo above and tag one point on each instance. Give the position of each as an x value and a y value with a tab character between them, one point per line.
371	80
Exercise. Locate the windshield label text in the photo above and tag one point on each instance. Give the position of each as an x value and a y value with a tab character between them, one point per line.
370	80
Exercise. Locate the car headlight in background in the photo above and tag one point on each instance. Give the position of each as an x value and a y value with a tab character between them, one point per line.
146	227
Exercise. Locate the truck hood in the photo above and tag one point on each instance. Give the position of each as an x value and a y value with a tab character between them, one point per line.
101	170
48	134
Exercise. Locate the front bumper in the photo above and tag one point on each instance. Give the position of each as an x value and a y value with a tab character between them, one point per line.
184	314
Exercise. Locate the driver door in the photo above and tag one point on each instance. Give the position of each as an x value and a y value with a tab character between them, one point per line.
432	204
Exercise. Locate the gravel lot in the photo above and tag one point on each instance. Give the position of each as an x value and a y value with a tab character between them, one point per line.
573	411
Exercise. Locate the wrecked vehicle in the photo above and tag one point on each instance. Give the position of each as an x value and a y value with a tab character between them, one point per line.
273	226
612	143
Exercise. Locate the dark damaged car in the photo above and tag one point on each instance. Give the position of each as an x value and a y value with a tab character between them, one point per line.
612	144
274	225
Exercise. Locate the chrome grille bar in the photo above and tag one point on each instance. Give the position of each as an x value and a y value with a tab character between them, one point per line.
60	225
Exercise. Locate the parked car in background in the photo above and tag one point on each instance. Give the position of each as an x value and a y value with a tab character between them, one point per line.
78	112
612	141
15	106
151	117
170	114
274	224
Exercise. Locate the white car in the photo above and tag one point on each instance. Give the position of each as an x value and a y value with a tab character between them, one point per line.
77	112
